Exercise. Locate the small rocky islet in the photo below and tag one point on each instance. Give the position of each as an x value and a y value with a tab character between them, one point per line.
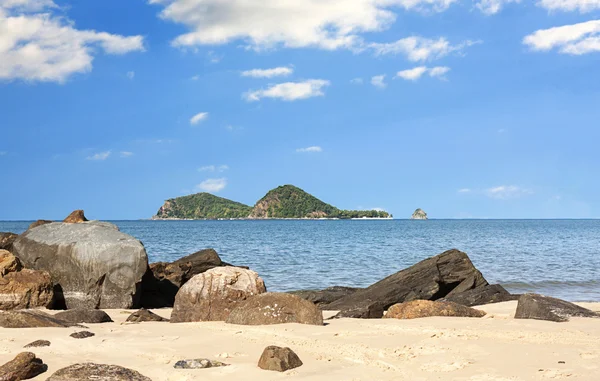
69	265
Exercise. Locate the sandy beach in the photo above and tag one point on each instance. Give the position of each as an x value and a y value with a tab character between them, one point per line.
494	348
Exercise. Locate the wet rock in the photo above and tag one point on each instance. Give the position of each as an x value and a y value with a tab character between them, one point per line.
38	344
276	308
92	264
426	308
279	359
30	319
96	372
434	278
6	240
198	364
82	334
326	296
84	316
39	223
539	307
211	296
76	217
145	315
481	296
23	367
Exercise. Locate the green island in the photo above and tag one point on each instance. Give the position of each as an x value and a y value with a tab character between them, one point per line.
286	201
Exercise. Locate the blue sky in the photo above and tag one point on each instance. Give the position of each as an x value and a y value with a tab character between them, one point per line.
467	109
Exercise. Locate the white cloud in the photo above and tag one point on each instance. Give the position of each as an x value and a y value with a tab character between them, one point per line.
416	73
464	190
212	185
268	73
213	168
99	156
504	192
195	78
576	39
310	149
330	24
357	81
420	48
490	7
3	153
290	91
213	57
36	45
202	116
582	6
439	71
131	74
378	81
126	154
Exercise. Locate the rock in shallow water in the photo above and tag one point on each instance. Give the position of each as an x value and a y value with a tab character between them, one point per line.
198	364
24	366
279	359
77	316
539	307
426	308
276	308
96	372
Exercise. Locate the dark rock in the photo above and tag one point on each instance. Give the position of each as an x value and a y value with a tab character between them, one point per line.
82	334
211	296
38	344
145	315
279	359
6	241
30	319
84	316
481	296
276	308
434	278
326	296
198	364
92	263
426	308
22	367
539	307
39	223
96	372
76	217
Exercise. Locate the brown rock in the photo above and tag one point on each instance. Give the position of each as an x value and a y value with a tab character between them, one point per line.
539	307
82	334
23	367
6	240
38	344
211	296
8	263
276	308
144	315
39	223
25	288
81	315
30	319
96	372
76	217
426	308
279	359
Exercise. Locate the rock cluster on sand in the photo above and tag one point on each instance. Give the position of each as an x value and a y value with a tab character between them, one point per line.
23	367
539	307
211	296
198	364
101	372
276	308
426	308
23	288
279	359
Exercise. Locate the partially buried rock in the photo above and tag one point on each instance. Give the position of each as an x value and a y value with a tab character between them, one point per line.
480	296
23	367
212	296
76	217
145	315
198	364
539	307
6	240
279	359
30	319
97	372
276	308
425	308
84	316
82	334
38	344
326	296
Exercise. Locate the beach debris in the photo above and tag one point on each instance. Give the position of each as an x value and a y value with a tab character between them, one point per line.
23	367
144	315
82	334
6	240
30	319
425	308
279	359
480	296
539	307
198	364
38	344
211	296
275	308
91	371
82	315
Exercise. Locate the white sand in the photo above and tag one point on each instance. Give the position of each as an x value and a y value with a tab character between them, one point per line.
494	348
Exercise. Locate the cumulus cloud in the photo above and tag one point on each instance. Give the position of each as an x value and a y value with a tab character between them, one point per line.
504	192
576	39
331	24
415	73
282	71
36	45
196	119
213	168
421	49
490	7
126	154
100	156
212	185
290	91
582	6
464	190
356	81
379	81
310	149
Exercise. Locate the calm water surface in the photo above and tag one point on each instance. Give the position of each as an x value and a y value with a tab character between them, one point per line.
555	257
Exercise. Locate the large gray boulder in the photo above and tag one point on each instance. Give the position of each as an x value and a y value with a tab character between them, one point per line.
92	264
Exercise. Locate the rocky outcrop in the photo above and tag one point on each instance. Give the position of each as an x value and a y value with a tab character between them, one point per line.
276	308
324	297
76	217
8	263
144	315
30	319
22	367
23	288
279	359
39	223
81	315
419	214
539	307
99	372
211	296
426	308
6	240
92	264
434	278
484	295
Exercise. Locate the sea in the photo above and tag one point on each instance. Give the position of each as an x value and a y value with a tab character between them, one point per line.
559	258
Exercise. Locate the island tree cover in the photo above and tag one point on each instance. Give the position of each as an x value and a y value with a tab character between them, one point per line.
286	201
